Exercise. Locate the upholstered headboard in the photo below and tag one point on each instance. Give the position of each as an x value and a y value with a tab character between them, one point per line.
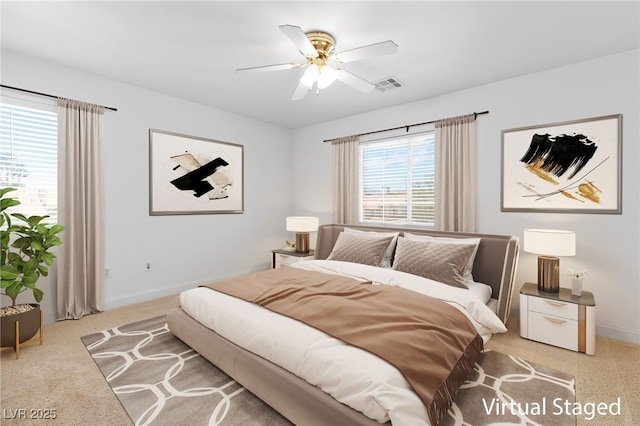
495	263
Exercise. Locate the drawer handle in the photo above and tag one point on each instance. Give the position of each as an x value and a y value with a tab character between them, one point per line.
552	303
555	320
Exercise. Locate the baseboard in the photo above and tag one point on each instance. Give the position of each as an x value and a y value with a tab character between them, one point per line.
144	296
128	299
617	333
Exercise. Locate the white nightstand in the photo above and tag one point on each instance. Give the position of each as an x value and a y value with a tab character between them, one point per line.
558	319
281	257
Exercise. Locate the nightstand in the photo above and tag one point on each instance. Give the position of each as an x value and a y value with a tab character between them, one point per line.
558	319
281	257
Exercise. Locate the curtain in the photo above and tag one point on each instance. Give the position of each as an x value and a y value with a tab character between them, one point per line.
346	187
80	272
455	171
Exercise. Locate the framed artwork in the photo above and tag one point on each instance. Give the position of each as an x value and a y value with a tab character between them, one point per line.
568	167
192	175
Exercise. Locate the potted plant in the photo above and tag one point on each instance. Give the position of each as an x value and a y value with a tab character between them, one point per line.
25	257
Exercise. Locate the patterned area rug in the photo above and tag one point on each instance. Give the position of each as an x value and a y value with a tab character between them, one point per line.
161	381
507	390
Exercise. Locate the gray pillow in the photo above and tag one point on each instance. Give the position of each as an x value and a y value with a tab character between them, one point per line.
435	260
357	248
468	276
385	262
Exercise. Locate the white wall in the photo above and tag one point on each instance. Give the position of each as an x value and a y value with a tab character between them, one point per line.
607	245
184	250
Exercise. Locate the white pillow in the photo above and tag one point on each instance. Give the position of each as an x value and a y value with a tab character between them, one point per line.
388	254
480	290
468	277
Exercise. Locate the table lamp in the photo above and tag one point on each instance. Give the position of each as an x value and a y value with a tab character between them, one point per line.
302	225
549	244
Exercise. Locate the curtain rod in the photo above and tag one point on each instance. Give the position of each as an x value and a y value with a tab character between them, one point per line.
45	95
476	114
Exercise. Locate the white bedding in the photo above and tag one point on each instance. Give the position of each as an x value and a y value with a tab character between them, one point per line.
482	291
354	377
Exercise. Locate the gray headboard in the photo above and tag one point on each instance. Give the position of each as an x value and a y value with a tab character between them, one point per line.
495	263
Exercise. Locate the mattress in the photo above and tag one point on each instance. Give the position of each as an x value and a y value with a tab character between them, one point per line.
354	377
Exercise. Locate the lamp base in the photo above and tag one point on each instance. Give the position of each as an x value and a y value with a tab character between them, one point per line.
549	274
302	242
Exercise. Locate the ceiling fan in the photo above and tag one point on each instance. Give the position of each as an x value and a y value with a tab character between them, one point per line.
318	48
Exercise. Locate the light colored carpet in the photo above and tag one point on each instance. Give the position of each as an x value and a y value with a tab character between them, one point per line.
62	376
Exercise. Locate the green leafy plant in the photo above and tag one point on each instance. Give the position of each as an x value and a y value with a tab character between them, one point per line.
26	248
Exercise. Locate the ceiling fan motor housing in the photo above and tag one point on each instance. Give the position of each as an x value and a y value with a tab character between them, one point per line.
323	43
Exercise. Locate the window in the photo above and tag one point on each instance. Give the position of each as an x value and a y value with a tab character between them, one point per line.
29	158
397	181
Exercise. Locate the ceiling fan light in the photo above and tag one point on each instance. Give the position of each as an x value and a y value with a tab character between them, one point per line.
310	76
326	76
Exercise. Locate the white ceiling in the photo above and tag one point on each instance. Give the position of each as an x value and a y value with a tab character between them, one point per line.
191	49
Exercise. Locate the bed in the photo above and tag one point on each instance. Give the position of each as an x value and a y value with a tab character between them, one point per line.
241	339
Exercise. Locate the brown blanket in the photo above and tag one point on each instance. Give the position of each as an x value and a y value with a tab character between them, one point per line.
430	342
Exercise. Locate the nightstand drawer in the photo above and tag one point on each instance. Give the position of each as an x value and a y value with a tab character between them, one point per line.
554	308
285	259
557	331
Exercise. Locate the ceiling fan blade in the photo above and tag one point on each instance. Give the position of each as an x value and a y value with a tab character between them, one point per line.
300	40
354	81
300	92
269	68
377	49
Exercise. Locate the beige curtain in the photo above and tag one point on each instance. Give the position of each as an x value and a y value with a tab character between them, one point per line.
80	260
346	171
455	170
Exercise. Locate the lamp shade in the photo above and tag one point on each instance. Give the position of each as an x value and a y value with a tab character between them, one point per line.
326	76
310	76
550	242
323	75
302	223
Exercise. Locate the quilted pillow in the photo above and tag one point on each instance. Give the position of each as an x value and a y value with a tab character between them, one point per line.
388	253
357	248
435	260
468	277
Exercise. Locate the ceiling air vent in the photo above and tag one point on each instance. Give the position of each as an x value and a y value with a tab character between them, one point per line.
387	84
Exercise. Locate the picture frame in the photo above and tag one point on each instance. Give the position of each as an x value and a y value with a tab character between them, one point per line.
566	167
194	175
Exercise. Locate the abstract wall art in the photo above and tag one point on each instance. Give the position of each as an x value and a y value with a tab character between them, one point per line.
192	175
568	167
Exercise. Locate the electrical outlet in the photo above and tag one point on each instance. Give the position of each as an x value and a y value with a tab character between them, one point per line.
107	273
147	266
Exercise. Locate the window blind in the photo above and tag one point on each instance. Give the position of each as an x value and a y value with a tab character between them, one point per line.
29	158
397	181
